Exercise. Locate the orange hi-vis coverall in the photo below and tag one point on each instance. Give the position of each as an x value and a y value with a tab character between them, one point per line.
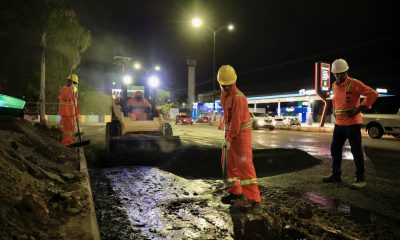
240	167
347	97
137	108
67	112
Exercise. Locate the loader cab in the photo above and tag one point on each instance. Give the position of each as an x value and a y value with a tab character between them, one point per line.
129	94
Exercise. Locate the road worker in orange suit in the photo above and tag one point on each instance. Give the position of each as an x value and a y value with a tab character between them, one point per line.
66	109
240	173
138	106
346	109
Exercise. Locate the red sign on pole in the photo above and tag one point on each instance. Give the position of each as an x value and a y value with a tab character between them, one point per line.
322	85
325	77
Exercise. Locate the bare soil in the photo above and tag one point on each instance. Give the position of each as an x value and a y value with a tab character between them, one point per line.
41	194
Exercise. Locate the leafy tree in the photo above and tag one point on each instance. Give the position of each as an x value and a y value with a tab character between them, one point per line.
58	31
89	102
162	96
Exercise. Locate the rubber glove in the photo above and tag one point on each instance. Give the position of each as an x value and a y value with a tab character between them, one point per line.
226	144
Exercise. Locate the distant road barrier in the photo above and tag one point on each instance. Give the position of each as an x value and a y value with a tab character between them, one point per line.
83	119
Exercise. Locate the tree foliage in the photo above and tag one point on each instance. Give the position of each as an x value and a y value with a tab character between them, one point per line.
162	96
58	33
89	102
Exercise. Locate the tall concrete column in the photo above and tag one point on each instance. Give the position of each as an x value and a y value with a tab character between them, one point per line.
279	109
191	81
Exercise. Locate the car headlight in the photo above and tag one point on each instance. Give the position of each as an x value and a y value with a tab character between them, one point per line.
260	122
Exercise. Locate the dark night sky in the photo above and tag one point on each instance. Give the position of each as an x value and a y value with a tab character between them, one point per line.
273	48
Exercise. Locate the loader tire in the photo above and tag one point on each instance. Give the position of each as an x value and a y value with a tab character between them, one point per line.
168	129
111	131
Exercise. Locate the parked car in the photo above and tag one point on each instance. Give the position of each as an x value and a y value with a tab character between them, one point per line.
261	120
204	120
292	121
378	124
279	122
183	119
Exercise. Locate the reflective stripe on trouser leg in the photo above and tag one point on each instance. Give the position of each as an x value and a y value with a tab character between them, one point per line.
240	165
67	128
248	181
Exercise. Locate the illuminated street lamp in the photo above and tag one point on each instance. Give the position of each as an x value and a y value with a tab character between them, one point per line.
157	68
154	81
137	66
197	22
127	79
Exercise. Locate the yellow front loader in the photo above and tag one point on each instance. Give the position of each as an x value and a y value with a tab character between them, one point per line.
124	135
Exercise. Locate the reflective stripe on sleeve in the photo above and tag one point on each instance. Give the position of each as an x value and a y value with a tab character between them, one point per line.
239	94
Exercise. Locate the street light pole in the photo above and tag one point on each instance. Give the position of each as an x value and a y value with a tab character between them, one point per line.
196	22
215	74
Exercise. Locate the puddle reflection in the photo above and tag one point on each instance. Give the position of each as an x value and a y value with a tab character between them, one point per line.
357	214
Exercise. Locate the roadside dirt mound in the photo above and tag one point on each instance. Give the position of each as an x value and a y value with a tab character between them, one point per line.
39	183
205	162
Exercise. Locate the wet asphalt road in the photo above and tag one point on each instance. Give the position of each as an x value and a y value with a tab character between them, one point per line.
149	200
316	144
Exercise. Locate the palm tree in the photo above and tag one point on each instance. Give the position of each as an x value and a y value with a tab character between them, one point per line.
58	28
65	35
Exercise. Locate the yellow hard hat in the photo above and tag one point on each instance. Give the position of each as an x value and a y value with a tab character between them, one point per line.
73	77
226	75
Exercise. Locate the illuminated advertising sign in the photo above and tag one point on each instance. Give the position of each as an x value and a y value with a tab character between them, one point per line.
322	85
325	76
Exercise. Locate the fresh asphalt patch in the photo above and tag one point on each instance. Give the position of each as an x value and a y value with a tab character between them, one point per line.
195	162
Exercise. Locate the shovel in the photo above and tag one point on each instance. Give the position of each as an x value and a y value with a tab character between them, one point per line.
80	143
225	184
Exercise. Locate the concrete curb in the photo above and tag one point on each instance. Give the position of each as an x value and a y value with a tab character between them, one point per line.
91	223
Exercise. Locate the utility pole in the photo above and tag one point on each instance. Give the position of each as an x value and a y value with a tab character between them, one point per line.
121	60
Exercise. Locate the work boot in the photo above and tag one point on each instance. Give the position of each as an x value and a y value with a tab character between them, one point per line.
248	206
359	183
77	134
332	178
230	198
255	208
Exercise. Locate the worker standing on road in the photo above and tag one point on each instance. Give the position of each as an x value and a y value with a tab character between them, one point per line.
66	109
347	108
240	168
138	106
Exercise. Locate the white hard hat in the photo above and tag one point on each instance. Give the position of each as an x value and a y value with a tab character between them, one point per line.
339	66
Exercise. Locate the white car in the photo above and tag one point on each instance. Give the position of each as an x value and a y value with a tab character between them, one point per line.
261	120
292	121
378	124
